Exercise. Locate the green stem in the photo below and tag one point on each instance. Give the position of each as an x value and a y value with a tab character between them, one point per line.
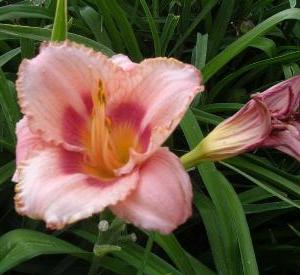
59	32
148	249
192	158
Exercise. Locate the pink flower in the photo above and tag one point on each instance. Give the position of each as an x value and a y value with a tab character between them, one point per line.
283	102
91	137
269	119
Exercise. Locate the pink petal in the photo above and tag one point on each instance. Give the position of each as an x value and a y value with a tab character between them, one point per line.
163	198
131	114
54	90
286	140
27	144
162	91
164	88
244	131
282	99
123	61
51	190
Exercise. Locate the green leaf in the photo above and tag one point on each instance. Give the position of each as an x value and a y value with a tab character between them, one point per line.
27	48
7	145
4	58
266	63
59	31
40	34
291	70
112	31
214	232
8	105
185	15
174	250
263	185
265	44
101	250
168	32
243	42
153	28
265	174
263	163
205	117
253	195
220	26
265	207
134	255
222	107
200	51
94	21
297	232
6	171
126	30
293	3
20	245
232	221
148	248
199	58
12	12
205	10
185	262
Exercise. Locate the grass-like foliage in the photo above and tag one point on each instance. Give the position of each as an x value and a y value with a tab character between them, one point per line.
246	209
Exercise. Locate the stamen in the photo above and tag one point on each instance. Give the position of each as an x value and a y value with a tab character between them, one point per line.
109	143
102	153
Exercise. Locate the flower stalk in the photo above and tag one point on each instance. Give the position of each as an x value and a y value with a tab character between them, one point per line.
192	158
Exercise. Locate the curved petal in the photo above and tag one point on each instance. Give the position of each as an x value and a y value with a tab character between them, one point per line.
286	140
282	99
164	88
55	87
62	196
27	144
244	131
123	61
163	198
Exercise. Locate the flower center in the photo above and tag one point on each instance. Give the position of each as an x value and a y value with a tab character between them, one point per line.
109	141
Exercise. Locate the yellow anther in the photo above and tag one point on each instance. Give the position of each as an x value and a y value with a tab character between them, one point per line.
101	94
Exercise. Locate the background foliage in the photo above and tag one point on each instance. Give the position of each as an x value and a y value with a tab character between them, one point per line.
246	209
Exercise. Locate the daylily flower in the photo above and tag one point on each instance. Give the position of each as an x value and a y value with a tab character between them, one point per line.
269	119
283	103
92	133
